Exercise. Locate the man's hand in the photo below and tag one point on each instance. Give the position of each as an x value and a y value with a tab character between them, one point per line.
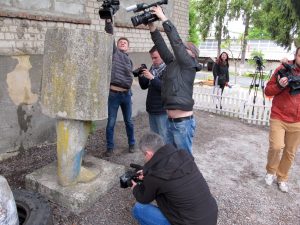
140	177
284	60
133	184
157	10
146	73
283	82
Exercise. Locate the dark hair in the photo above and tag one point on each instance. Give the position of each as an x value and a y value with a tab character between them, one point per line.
153	49
219	60
123	38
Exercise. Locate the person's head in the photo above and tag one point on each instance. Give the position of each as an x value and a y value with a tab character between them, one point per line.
192	49
155	56
123	44
149	143
223	58
297	57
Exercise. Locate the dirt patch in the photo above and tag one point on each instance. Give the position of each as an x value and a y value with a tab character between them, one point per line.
230	154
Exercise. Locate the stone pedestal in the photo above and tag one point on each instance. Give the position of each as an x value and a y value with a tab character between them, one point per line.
76	74
79	197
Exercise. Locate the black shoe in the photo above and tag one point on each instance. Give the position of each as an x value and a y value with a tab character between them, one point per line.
131	148
109	152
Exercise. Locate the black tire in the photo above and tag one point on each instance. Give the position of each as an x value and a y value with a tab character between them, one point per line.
33	209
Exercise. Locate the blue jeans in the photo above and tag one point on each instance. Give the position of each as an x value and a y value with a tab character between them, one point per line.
114	101
148	214
181	134
158	124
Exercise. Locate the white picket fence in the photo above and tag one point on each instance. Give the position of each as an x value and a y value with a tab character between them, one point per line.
235	102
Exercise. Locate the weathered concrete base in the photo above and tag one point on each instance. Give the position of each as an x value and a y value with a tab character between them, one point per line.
79	197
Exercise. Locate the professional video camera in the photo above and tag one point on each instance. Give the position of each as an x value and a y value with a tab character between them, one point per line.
139	70
146	17
109	8
258	60
128	176
294	81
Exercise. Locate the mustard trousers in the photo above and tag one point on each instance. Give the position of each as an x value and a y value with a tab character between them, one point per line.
284	139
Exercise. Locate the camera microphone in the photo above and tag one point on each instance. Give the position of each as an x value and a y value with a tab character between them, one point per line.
136	166
135	7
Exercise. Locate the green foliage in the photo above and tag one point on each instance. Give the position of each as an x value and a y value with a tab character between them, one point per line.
207	10
194	33
282	20
252	62
259	33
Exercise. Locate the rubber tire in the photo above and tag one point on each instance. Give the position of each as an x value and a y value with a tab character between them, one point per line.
33	208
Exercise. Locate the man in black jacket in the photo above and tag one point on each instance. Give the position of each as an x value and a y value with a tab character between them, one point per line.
172	178
178	82
151	80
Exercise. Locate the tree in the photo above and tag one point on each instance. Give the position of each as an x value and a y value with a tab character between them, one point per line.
213	12
282	20
259	33
246	9
193	23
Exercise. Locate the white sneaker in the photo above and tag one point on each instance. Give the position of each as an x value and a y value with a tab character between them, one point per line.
269	178
283	187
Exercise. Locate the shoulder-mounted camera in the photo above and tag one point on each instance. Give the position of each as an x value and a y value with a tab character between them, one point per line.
146	17
294	81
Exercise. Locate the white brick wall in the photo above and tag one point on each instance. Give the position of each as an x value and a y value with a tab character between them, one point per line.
23	36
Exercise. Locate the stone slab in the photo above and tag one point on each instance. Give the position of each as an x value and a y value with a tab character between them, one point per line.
76	74
80	197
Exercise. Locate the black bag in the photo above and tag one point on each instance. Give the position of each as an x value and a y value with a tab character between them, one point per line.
221	79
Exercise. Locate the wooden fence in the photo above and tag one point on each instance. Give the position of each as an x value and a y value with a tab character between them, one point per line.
234	102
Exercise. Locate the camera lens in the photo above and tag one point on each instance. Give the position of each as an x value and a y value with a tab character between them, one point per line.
136	20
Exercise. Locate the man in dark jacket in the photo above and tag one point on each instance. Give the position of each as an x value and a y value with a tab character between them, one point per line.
151	80
120	92
172	178
178	82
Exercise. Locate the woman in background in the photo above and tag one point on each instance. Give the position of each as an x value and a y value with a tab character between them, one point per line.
221	73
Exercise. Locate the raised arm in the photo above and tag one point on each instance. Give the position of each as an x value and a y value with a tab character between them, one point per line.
110	30
160	44
178	47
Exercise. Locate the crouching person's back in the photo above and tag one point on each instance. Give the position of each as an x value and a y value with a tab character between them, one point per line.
172	178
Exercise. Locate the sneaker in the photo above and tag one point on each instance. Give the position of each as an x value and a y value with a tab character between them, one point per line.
283	186
269	178
109	152
131	148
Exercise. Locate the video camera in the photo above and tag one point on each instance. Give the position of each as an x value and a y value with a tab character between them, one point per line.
146	17
139	70
294	81
258	60
109	8
128	176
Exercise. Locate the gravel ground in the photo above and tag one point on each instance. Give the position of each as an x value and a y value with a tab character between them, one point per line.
230	154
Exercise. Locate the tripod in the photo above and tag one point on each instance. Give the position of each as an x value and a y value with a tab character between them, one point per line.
257	81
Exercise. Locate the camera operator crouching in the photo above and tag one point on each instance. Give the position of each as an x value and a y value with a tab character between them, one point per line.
171	178
178	82
284	134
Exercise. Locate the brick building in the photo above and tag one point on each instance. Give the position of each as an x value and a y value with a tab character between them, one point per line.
23	25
